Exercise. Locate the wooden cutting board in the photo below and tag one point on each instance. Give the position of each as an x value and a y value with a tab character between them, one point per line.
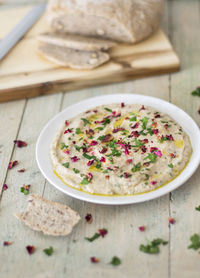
24	74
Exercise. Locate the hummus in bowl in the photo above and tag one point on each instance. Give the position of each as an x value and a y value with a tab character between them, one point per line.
120	149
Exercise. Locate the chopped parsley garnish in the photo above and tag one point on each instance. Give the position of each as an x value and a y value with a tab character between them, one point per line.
78	131
48	251
195	239
100	138
89	156
98	165
66	164
152	157
136	167
105	171
115	261
95	236
76	171
152	247
108	109
163	138
133	119
138	143
78	148
198	208
99	128
196	92
24	190
170	165
106	121
86	122
62	146
144	122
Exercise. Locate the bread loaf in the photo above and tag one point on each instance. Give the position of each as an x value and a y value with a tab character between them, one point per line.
120	20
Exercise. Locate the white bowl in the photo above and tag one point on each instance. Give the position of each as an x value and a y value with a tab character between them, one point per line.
50	130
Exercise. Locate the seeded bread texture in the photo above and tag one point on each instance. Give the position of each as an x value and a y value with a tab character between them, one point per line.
77	59
76	41
120	20
51	218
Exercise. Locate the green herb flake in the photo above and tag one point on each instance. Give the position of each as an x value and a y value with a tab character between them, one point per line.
115	261
108	109
98	165
136	167
195	239
48	251
138	143
95	236
89	156
170	165
78	131
63	146
85	181
76	171
152	157
133	119
66	165
106	121
196	92
198	208
25	191
100	138
86	122
144	122
152	247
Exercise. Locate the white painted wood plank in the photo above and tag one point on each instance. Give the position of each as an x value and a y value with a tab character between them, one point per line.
185	36
37	113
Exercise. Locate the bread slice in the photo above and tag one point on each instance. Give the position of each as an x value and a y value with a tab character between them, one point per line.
118	20
76	41
77	59
49	217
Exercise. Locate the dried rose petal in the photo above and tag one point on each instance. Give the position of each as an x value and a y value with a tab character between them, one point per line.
142	108
135	126
199	110
155	131
107	177
66	123
104	150
90	132
95	111
68	131
153	182
89	218
158	153
93	143
94	260
122	105
142	228
157	116
166	126
115	130
30	249
127	175
21	170
7	243
170	137
75	158
5	187
126	151
102	232
144	149
172	155
102	159
146	164
12	164
66	151
135	133
153	149
90	162
90	176
145	141
20	143
128	161
171	220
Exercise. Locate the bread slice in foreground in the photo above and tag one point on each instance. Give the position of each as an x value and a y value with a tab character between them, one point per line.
49	217
76	41
77	59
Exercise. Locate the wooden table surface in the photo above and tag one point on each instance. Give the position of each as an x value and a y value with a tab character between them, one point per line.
25	119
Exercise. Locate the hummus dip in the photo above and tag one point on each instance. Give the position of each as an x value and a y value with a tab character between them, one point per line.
120	149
